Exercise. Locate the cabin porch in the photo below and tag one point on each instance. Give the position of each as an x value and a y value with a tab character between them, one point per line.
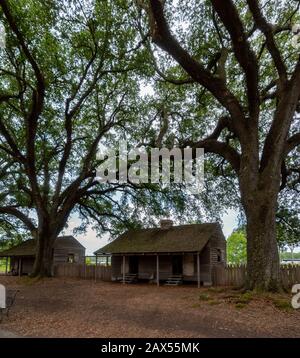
160	267
18	265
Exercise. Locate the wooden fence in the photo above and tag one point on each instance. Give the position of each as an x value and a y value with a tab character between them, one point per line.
229	275
237	275
101	273
221	276
290	275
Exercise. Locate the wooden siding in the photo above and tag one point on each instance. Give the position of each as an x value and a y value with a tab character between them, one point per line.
116	262
60	255
147	267
27	265
217	248
188	265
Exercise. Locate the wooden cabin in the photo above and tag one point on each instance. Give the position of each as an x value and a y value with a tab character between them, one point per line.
66	249
169	254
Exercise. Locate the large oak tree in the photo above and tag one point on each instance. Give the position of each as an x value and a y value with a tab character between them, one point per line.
68	77
232	64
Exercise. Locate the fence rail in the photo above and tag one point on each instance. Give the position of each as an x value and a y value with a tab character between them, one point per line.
102	273
237	275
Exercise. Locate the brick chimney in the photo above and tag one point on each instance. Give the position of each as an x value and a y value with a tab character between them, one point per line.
166	224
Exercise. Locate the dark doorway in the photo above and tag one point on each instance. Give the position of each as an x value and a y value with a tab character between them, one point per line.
177	265
133	264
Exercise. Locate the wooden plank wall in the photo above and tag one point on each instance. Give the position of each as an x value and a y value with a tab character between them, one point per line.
60	255
236	275
101	273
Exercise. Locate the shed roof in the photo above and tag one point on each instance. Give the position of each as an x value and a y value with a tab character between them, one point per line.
27	248
183	238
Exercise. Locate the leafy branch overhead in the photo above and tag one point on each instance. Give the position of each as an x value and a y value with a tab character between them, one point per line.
68	83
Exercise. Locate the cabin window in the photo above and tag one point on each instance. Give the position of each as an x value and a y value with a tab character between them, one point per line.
71	258
219	255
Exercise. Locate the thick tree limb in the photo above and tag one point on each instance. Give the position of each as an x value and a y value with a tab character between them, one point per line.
162	36
268	31
292	143
275	141
11	210
212	145
15	152
220	148
224	122
245	56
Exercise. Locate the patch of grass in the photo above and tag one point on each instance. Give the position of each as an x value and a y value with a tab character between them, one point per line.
217	289
282	304
213	302
240	305
229	296
29	281
207	299
279	300
238	288
204	297
238	298
245	298
195	305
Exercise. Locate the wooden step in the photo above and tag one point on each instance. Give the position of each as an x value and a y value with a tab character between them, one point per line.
174	280
130	278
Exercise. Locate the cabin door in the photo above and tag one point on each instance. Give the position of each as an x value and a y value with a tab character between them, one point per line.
177	265
133	264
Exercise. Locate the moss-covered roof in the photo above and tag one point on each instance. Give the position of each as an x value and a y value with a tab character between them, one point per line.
27	248
184	238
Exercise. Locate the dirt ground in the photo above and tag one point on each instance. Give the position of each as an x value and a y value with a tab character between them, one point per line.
78	308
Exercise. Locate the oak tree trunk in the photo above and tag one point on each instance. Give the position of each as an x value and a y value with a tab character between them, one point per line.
263	264
43	264
259	194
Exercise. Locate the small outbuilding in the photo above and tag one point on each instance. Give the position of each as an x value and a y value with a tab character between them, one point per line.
169	254
66	249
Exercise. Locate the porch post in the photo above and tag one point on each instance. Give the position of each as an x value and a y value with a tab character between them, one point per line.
106	261
96	268
157	269
198	269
